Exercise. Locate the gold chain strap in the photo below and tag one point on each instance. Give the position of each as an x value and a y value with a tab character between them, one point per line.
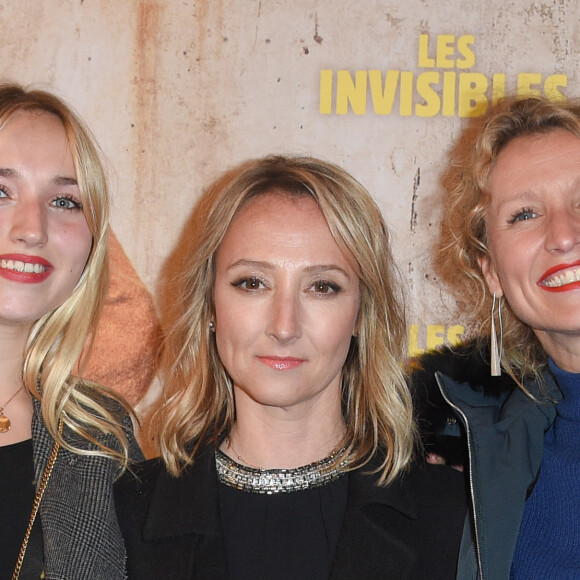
37	498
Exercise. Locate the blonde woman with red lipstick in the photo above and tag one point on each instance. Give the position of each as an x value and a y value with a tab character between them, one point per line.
511	243
61	442
285	427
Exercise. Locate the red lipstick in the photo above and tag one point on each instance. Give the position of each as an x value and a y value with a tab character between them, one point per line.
13	267
551	272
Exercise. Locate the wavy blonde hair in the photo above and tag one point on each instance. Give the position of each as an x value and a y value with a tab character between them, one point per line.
60	340
464	233
197	403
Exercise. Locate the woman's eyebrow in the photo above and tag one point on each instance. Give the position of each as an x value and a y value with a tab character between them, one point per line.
57	180
320	268
316	269
8	172
252	264
60	180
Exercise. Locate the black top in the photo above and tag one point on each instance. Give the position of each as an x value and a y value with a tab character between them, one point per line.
282	535
407	530
16	498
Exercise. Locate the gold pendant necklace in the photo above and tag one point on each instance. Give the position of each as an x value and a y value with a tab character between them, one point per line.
5	423
36	504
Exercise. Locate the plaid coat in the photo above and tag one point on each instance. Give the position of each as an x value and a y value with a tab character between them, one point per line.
80	532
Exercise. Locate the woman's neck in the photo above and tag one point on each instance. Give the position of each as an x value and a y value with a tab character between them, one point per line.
563	349
274	438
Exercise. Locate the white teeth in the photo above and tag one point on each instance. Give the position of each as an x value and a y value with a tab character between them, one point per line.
19	266
566	277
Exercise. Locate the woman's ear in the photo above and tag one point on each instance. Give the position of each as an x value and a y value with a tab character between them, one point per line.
490	274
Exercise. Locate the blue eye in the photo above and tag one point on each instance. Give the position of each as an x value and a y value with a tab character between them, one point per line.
521	215
65	202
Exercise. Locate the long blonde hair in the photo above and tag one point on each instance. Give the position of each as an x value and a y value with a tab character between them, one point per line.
58	339
464	234
197	403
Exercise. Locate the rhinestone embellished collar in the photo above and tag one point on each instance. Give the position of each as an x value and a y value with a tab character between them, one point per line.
272	481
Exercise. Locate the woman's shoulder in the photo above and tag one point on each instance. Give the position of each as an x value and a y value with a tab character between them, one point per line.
420	485
105	398
152	478
440	484
468	362
108	408
140	478
424	508
134	490
89	443
148	492
466	368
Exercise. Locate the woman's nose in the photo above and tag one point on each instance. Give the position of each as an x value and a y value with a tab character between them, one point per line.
284	323
29	224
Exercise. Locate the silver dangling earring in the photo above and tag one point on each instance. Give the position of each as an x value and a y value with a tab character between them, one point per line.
496	352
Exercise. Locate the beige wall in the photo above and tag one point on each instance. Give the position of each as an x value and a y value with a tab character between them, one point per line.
177	91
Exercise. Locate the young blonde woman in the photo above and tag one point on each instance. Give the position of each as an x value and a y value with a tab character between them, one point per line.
62	440
511	245
285	429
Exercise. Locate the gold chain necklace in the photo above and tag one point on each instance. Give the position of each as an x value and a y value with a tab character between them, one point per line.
5	421
240	458
36	504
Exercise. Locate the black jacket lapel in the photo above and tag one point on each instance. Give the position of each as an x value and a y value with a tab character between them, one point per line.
369	545
186	509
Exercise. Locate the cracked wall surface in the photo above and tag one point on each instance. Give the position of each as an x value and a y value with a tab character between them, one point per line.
178	91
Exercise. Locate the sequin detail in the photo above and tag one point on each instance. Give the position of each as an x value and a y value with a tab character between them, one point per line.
272	481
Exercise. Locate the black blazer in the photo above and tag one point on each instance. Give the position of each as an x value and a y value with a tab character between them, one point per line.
408	530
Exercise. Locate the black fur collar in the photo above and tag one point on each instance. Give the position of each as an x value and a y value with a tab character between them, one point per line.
466	363
441	433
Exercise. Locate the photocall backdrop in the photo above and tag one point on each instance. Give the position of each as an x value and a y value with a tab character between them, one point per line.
177	91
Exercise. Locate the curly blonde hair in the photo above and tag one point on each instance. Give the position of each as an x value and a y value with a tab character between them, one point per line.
59	339
463	232
198	405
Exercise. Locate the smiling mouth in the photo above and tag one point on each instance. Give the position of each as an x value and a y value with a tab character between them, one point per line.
561	280
27	267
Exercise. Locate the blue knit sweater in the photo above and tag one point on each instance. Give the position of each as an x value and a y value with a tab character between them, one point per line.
548	546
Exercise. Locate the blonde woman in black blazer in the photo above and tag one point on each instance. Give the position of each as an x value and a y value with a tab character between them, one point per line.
285	430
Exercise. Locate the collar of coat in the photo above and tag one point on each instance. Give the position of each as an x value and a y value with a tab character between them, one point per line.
197	515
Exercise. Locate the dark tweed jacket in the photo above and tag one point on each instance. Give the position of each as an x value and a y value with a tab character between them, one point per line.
81	536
